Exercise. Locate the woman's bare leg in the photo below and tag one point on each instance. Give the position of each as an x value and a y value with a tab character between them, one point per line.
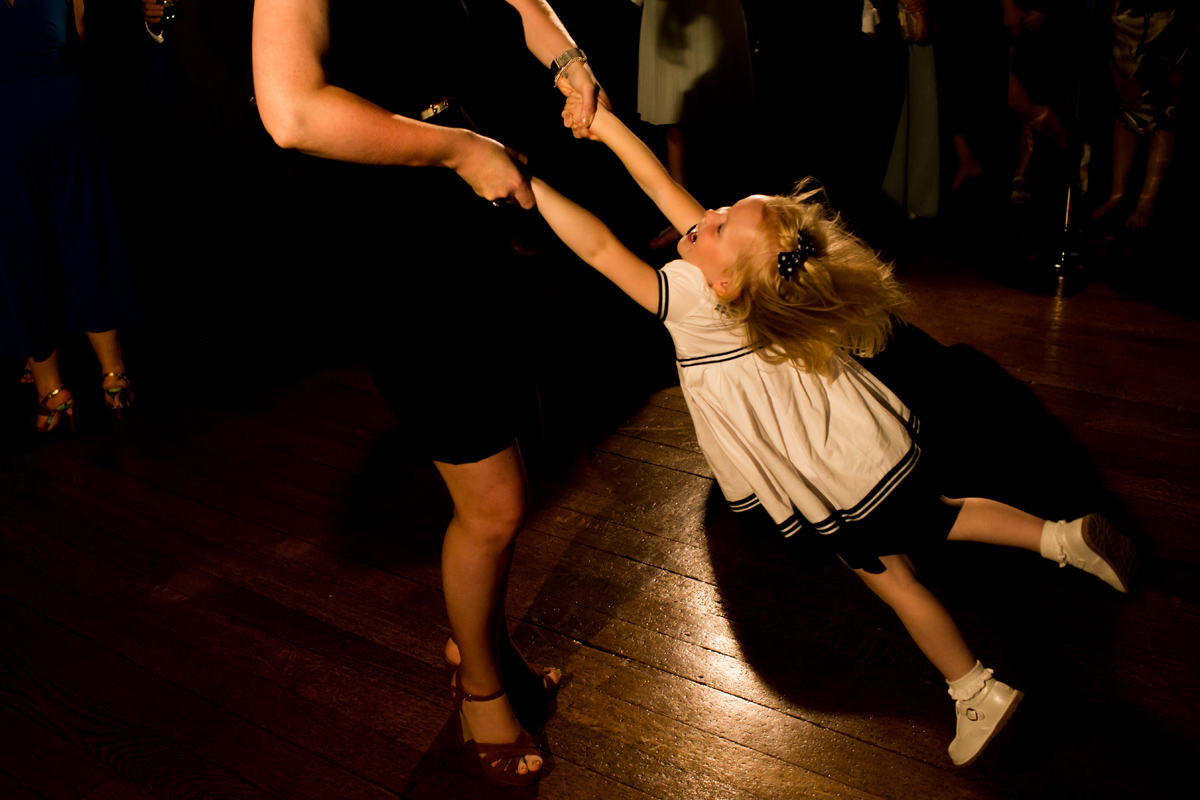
46	379
509	657
489	509
968	164
1042	119
1124	148
46	376
108	353
1162	148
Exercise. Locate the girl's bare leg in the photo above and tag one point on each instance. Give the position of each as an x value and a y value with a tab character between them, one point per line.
489	509
992	522
923	616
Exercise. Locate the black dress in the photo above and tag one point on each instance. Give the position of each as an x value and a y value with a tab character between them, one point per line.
62	262
427	261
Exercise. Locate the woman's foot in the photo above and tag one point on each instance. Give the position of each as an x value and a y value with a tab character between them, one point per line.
118	393
964	173
531	687
1107	207
51	410
506	751
968	164
27	373
1140	218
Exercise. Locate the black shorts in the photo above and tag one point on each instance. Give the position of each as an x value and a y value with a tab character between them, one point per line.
913	516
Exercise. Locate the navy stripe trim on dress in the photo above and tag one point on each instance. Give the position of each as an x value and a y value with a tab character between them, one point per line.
713	358
664	295
745	504
885	486
793	524
874	497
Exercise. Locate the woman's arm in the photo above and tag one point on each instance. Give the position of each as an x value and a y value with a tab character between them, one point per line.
302	111
77	7
547	39
591	240
679	207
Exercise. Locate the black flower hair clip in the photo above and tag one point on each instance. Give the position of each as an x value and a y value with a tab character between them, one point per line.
794	260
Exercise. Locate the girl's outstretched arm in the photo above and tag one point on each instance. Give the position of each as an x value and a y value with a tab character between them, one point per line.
679	207
591	240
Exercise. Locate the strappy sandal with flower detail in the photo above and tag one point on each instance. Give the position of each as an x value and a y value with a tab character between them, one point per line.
500	762
117	397
54	415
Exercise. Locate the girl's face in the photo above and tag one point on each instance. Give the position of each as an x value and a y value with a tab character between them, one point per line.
722	235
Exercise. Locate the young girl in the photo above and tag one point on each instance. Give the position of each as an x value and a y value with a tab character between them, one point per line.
767	301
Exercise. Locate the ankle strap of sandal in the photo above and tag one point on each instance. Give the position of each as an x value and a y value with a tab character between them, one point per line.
49	397
481	698
474	698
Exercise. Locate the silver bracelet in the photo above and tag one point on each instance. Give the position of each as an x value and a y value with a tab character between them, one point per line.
568	57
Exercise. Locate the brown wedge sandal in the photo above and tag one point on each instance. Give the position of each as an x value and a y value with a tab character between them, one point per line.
500	762
532	689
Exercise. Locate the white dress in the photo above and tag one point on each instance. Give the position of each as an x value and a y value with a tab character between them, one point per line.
808	449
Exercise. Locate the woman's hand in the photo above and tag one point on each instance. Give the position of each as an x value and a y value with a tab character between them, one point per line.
1012	17
1033	20
152	11
492	170
579	81
573	110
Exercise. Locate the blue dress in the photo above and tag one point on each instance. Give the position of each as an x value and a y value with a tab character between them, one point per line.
62	262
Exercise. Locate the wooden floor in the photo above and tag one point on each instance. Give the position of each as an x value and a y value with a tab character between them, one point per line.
237	594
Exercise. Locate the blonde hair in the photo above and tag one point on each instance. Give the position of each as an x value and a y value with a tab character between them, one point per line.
844	296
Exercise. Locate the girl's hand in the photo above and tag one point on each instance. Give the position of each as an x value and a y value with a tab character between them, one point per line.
579	81
492	170
573	111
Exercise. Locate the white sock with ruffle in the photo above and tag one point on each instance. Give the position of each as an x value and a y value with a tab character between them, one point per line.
971	684
1054	538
